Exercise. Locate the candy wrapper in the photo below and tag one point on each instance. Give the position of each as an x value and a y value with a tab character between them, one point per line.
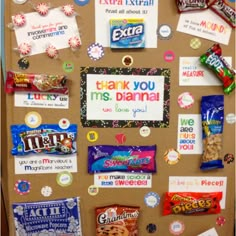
212	113
192	203
106	158
213	59
68	10
226	12
42	8
190	5
46	138
29	82
52	52
117	220
24	49
18	20
59	217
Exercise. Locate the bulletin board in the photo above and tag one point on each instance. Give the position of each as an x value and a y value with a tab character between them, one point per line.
148	95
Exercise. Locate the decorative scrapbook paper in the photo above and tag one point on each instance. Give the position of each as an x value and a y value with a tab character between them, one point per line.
124	97
57	217
189	134
40	31
146	10
122	180
205	24
45	164
193	73
199	184
41	100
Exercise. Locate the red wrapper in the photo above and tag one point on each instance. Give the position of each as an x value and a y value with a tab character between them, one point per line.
190	5
196	203
17	81
117	220
226	12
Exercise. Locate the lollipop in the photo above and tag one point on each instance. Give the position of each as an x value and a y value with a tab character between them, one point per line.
52	52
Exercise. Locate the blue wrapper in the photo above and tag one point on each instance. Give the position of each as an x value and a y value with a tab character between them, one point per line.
108	158
58	217
46	138
212	113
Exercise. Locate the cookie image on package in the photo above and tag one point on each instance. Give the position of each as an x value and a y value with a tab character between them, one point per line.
112	230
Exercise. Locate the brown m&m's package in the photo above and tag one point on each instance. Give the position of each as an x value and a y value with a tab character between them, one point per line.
117	220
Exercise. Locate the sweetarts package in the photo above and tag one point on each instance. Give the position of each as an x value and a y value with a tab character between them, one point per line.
127	33
60	217
46	138
107	158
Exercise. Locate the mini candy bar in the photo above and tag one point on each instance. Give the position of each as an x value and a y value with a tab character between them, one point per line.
191	203
191	5
59	217
127	33
212	114
213	59
107	158
17	81
46	138
226	12
117	220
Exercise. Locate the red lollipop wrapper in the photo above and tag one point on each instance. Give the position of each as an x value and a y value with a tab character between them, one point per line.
226	12
189	5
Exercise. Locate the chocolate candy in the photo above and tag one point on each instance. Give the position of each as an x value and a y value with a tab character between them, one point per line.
46	138
192	203
191	5
213	59
225	11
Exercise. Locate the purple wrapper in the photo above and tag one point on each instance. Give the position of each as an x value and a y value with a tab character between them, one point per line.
108	158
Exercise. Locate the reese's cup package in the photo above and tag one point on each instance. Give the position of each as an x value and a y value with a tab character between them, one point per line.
192	203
